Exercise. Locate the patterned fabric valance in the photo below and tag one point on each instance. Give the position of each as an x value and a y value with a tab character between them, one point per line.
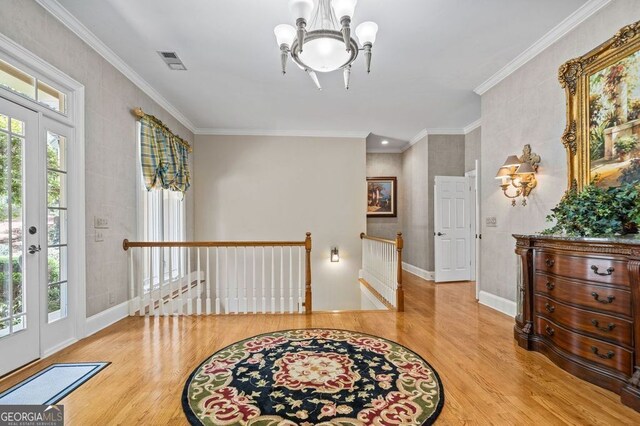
164	157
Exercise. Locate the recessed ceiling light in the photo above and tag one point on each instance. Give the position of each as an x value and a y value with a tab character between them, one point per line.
385	142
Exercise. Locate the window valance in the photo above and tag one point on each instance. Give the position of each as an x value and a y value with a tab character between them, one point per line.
164	156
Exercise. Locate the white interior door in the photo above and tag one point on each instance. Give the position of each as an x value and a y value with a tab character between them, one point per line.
452	224
20	255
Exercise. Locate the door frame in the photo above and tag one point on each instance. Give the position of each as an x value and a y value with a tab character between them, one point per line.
26	60
475	234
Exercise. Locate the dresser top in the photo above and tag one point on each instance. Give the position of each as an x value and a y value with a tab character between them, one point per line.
627	239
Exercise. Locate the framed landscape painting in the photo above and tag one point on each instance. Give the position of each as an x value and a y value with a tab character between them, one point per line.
382	197
602	136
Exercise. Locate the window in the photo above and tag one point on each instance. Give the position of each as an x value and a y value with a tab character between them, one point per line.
163	219
26	85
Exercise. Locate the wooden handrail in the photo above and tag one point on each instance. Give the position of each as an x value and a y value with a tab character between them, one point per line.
364	236
126	244
308	305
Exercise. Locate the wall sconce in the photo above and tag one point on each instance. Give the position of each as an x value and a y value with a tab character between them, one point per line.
335	255
519	173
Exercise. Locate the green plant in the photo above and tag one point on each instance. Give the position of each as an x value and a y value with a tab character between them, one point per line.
626	144
631	174
596	211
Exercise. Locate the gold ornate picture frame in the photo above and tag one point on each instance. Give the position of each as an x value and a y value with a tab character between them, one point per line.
598	123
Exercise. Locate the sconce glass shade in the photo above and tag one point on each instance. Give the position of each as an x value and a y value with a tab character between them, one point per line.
367	32
285	34
511	161
335	255
301	9
344	8
525	169
503	172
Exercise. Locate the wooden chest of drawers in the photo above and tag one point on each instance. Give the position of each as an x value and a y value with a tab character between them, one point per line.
579	304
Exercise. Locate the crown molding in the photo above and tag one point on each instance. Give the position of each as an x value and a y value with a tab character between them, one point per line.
572	21
419	136
447	131
387	150
78	28
472	126
281	133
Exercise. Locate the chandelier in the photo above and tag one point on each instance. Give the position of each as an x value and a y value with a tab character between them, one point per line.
322	43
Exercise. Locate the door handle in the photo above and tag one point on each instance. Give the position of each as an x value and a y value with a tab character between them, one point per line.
33	249
440	234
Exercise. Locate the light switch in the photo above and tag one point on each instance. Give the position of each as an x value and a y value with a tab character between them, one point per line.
491	222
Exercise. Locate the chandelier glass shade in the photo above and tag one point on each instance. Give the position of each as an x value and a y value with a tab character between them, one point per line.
321	41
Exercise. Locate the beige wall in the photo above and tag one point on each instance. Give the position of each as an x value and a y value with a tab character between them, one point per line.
385	165
110	143
278	188
529	107
415	215
472	144
446	158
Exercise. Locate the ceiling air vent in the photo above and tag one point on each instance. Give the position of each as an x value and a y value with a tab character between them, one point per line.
173	62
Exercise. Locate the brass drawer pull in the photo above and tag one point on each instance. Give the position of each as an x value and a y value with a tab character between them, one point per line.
550	262
550	286
603	274
549	307
608	328
596	296
608	355
549	330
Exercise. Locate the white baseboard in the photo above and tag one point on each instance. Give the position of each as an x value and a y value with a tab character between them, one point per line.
427	275
58	347
104	319
498	303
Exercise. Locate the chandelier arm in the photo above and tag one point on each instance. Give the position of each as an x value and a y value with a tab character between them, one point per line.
367	56
284	57
346	31
347	76
301	25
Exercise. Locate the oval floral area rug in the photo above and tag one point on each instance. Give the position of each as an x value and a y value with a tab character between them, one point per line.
313	377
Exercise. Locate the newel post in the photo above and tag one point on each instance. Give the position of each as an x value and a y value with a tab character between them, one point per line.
307	292
399	290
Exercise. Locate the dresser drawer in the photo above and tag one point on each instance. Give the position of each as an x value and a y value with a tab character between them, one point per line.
601	270
605	326
591	349
593	296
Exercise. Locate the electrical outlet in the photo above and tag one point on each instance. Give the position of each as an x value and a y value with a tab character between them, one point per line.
112	298
491	222
100	222
99	237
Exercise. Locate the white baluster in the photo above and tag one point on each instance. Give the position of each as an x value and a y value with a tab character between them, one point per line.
131	284
282	280
273	280
189	296
198	281
237	283
172	309
290	279
208	285
180	280
245	300
226	268
300	286
217	282
151	305
263	283
255	299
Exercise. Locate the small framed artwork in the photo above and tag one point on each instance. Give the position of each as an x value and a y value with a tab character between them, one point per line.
382	197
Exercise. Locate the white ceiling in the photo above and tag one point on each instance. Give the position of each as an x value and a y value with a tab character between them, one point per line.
429	57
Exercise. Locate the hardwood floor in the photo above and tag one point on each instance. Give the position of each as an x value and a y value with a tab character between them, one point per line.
487	378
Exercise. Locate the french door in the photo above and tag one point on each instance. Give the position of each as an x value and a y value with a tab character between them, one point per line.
19	236
36	301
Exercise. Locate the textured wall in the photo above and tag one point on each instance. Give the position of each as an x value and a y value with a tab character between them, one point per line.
110	142
278	188
386	165
472	144
446	158
415	215
529	107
